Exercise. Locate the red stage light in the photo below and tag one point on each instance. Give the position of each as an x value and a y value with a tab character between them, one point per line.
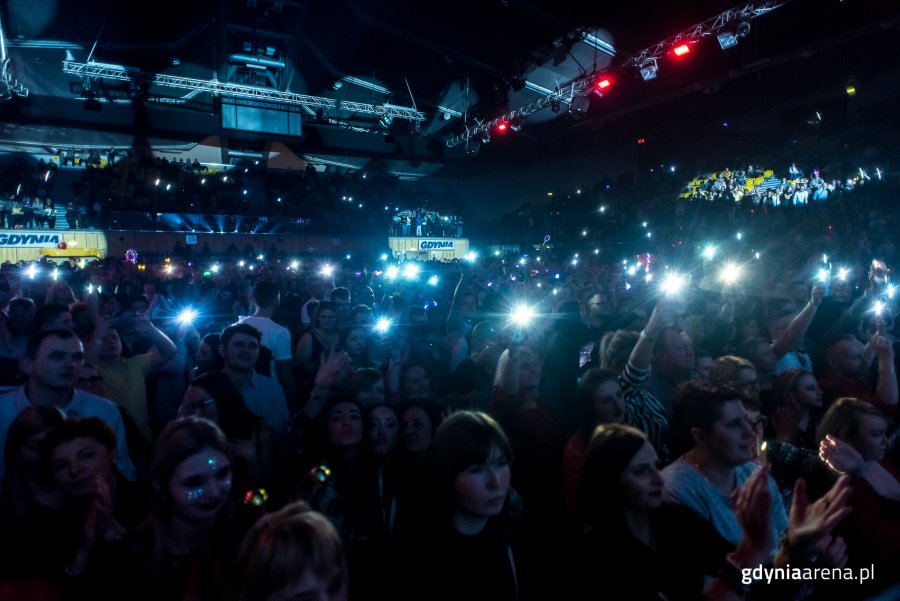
502	127
604	84
641	140
681	50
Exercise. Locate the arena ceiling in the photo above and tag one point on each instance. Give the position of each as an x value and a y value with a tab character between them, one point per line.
448	61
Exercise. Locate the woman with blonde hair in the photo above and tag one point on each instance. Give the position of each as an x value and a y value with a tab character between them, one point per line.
853	439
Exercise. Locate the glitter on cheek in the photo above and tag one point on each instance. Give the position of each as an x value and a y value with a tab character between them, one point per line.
212	463
195	494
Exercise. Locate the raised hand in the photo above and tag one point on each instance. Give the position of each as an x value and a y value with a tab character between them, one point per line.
753	507
840	456
884	348
817	294
832	552
331	366
809	524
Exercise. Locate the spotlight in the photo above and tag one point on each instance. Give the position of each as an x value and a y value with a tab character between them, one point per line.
392	272
327	270
649	69
709	252
502	127
602	86
681	50
383	325
727	40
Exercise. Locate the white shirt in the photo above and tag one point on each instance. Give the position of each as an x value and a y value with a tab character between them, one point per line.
276	338
83	404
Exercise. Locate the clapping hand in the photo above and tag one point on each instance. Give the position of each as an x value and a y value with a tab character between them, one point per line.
840	456
810	525
753	507
331	365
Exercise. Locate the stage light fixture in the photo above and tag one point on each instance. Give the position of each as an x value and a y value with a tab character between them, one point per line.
649	69
681	50
727	40
604	84
555	105
502	127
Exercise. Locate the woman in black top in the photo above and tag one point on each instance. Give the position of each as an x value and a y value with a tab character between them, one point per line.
460	548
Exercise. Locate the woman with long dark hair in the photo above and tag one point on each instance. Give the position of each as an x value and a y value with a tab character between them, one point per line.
464	532
668	551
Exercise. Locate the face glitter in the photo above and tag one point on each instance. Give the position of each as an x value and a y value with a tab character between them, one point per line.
195	494
212	463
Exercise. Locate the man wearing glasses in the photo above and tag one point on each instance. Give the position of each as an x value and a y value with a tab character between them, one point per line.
725	439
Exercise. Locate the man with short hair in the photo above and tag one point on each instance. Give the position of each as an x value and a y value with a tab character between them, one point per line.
848	362
239	347
51	362
341	298
125	378
53	316
275	337
721	460
315	287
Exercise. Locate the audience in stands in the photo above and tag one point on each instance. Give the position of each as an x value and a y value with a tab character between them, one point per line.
447	452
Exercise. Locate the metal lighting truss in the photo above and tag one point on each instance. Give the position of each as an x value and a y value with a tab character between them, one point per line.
94	70
707	28
9	85
481	128
642	59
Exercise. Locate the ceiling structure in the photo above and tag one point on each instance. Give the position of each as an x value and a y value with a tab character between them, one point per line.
407	85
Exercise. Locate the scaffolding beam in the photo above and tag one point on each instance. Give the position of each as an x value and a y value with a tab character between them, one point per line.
646	56
566	94
93	71
707	28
